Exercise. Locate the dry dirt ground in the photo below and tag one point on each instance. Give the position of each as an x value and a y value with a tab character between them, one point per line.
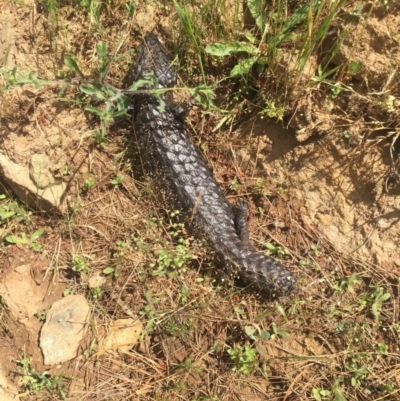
319	178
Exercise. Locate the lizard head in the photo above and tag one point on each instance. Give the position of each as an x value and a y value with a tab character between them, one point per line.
152	58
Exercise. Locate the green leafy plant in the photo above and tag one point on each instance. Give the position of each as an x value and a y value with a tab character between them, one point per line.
276	28
13	78
335	394
172	255
118	180
97	292
336	90
42	314
130	7
273	109
6	211
69	290
320	394
119	257
253	53
346	134
316	250
276	331
115	102
67	170
93	8
80	264
382	347
99	137
355	67
22	239
235	184
375	299
244	358
170	261
111	271
88	184
108	102
149	312
190	365
36	382
10	209
178	328
322	76
357	371
346	284
264	334
277	251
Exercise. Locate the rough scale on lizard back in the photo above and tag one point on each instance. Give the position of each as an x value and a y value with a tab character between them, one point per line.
170	155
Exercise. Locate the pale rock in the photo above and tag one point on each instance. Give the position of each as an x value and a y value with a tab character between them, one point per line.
17	177
39	171
122	334
97	281
65	326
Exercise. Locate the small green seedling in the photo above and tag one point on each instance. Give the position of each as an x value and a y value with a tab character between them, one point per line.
118	180
277	251
245	358
22	239
80	264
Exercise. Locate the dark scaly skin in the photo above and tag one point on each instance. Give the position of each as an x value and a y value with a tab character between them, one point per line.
168	152
241	212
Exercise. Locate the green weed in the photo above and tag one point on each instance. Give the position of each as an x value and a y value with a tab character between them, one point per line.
177	328
355	67
67	170
150	314
276	28
244	358
11	210
6	210
69	290
272	109
335	394
374	299
188	20
320	394
94	8
169	262
13	78
260	185
171	255
97	293
42	314
36	382
346	284
118	256
277	251
22	239
356	370
264	334
80	263
118	180
88	184
190	365
235	185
